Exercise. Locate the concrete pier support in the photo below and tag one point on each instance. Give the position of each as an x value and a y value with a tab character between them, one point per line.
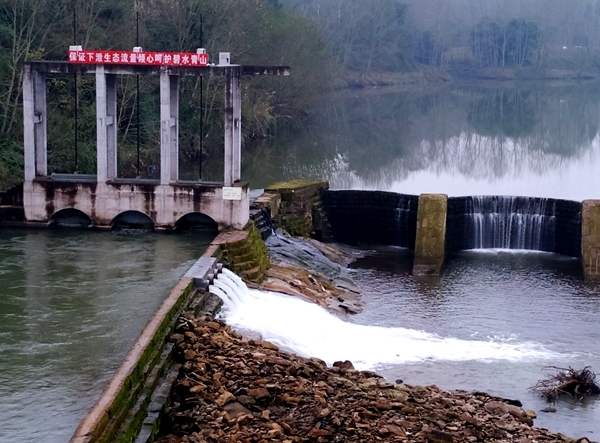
590	238
233	125
34	123
106	125
431	234
169	127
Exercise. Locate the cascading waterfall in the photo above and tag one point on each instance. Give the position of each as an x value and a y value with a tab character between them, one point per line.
311	331
497	222
403	213
405	222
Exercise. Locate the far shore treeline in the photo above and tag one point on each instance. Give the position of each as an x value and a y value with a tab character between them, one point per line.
328	43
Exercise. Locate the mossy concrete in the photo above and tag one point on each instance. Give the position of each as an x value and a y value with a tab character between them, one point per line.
590	238
122	409
270	202
300	200
243	252
127	392
431	234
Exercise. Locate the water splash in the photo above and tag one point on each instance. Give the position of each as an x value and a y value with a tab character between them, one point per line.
311	331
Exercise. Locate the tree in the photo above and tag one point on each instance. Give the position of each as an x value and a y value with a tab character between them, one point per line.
513	44
364	36
520	42
486	42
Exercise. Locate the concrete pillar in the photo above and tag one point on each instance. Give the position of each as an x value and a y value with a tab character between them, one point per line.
101	141
590	238
169	127
174	90
35	142
28	123
431	234
111	126
233	126
106	125
41	123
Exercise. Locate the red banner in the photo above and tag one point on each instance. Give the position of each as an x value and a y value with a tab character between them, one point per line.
95	57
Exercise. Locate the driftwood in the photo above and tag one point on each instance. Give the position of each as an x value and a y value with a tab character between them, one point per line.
567	381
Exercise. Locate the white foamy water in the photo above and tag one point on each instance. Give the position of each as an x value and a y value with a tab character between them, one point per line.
310	331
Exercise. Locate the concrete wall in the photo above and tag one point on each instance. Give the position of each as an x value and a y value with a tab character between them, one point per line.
371	217
243	252
376	217
128	393
298	206
164	204
590	244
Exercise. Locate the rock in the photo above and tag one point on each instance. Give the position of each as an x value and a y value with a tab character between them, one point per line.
347	364
549	409
395	430
246	400
440	437
500	408
235	390
268	345
235	409
258	393
189	354
530	413
224	398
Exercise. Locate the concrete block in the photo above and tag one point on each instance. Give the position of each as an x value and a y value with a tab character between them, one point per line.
590	238
203	272
269	201
431	234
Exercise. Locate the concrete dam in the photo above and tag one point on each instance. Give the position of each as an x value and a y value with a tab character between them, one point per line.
450	224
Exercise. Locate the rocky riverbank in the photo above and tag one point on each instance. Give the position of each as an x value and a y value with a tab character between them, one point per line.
231	389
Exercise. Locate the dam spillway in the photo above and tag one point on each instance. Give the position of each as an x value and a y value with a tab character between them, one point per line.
452	224
512	223
506	222
472	222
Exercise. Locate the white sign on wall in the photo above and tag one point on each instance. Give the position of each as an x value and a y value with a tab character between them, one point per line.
231	193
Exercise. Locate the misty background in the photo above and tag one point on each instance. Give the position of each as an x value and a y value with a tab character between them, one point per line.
330	44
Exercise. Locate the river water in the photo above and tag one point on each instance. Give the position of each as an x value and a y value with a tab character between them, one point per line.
538	140
494	322
72	303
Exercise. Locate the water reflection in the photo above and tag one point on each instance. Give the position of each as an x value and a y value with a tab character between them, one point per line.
533	140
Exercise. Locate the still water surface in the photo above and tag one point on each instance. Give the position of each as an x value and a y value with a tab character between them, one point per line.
71	305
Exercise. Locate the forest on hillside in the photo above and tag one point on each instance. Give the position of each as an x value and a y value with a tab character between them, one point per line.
324	41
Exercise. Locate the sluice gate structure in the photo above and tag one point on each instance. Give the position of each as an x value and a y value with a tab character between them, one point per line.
104	196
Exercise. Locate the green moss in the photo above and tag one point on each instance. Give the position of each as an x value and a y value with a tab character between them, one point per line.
299	225
134	384
298	200
248	258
